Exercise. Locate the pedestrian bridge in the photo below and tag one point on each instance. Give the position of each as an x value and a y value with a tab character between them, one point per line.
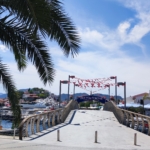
114	131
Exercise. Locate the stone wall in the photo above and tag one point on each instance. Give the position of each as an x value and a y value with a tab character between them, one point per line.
70	106
130	119
111	106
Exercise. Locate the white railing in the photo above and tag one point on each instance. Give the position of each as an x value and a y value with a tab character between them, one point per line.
36	123
128	118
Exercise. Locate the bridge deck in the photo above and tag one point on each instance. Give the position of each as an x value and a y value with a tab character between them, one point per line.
79	134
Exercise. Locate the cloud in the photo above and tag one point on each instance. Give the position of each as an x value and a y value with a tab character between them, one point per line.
56	52
95	65
130	31
105	39
3	48
143	15
114	40
122	28
89	65
138	5
103	56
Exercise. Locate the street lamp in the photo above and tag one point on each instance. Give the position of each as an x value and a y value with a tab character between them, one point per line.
74	90
64	82
69	84
115	77
107	85
123	84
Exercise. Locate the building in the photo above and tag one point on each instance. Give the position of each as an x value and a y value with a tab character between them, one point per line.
29	97
129	100
137	98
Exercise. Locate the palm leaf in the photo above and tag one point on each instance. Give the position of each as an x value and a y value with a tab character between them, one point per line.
9	86
49	17
63	30
7	36
24	44
22	30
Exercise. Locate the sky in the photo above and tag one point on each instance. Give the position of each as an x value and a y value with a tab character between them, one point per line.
115	37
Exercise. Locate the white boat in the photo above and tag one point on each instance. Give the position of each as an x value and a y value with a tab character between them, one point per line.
40	103
33	105
147	106
129	105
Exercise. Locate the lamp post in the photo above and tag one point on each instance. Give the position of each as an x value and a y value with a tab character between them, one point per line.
64	82
69	84
74	90
123	84
115	77
107	85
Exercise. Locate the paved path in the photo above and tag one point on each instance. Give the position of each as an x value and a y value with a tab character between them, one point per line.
79	134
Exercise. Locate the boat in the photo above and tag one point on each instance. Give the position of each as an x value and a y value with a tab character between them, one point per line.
33	105
130	105
41	103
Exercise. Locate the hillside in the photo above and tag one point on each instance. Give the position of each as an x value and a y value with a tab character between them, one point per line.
3	95
65	96
42	93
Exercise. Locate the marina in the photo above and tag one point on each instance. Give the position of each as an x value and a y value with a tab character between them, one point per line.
28	109
7	120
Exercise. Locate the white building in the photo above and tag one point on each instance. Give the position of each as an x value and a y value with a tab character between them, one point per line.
129	99
137	98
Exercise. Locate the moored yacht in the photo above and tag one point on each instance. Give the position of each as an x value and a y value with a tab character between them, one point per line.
33	105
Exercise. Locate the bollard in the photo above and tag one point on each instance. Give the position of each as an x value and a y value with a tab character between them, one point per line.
135	138
58	139
95	136
14	132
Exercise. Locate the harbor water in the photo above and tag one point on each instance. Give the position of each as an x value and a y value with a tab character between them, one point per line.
6	124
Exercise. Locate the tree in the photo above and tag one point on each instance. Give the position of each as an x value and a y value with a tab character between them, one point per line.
145	97
20	94
35	89
12	94
136	110
42	95
23	26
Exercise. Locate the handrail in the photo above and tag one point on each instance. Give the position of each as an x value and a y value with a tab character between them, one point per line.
135	113
29	117
31	124
129	118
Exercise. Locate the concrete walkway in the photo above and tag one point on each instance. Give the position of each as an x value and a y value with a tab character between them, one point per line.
80	133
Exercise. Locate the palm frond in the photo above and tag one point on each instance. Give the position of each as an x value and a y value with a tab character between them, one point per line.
33	13
63	30
8	37
49	17
9	86
40	57
24	44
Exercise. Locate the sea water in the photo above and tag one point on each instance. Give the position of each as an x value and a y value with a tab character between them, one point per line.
6	124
